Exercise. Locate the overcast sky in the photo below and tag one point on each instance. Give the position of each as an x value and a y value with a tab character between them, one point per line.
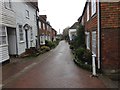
61	13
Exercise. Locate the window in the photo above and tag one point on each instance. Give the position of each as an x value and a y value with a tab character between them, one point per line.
47	27
88	40
27	14
31	32
94	42
82	21
3	36
35	18
93	7
21	33
39	24
8	4
88	11
43	26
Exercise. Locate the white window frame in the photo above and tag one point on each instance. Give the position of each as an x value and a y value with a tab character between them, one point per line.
82	20
39	24
88	16
94	42
93	7
8	4
27	13
47	27
21	39
44	26
35	18
3	33
87	40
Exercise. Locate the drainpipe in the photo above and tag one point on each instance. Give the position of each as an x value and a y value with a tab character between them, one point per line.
99	33
37	20
93	66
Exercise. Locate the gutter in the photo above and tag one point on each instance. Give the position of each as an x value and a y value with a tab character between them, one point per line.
99	35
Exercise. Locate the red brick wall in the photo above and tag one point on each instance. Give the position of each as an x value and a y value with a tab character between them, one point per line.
91	24
109	14
110	29
110	50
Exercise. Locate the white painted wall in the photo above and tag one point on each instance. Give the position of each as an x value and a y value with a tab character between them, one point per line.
20	10
12	18
4	49
7	19
70	33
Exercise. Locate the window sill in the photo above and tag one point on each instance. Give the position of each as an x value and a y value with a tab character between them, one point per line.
27	17
9	9
4	45
21	42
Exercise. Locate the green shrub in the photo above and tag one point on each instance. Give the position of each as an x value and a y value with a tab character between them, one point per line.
45	48
71	47
83	55
56	42
87	56
79	53
49	44
82	65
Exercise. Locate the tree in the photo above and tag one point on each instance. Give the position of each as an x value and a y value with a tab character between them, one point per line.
80	38
66	33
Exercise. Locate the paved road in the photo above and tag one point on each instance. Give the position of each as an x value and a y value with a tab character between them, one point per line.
54	69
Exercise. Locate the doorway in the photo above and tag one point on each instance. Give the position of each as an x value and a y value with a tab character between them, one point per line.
12	41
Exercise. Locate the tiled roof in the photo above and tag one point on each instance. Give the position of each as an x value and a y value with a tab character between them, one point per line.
74	26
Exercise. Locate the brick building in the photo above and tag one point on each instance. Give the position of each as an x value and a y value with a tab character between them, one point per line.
53	34
102	26
46	32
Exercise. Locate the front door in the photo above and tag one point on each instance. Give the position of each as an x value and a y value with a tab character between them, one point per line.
26	36
12	41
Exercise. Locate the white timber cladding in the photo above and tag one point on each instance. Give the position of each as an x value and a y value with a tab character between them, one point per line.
94	42
13	16
8	17
4	44
87	40
93	7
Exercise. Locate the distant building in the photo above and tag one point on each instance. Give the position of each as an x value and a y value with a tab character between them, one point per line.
53	35
46	32
73	31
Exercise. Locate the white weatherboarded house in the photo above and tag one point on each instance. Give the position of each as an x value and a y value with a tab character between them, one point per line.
15	17
73	31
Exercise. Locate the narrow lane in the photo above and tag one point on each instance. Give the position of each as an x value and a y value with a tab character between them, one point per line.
57	70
